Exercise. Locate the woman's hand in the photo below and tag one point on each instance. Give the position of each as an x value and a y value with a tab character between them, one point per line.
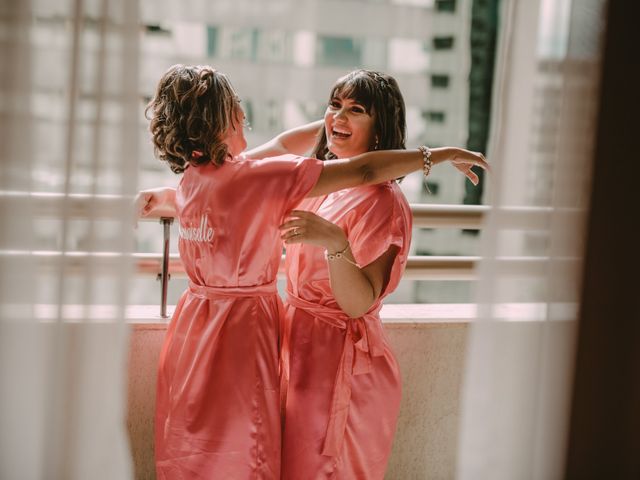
462	159
156	203
309	228
355	288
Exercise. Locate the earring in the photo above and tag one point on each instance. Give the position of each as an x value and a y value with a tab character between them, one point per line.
375	147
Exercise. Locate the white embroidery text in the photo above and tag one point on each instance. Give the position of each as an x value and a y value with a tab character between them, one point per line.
201	233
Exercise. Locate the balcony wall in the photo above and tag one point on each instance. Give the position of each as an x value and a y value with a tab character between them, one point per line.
431	357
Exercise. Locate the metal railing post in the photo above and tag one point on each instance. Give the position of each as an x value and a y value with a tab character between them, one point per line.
165	276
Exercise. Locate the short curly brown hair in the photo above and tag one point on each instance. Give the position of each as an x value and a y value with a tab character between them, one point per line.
193	108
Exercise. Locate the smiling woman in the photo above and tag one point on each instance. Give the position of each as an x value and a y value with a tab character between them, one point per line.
341	379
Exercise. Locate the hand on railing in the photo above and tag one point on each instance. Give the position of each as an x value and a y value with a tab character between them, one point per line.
156	203
159	203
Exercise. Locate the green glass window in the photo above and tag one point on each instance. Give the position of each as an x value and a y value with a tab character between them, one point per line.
439	81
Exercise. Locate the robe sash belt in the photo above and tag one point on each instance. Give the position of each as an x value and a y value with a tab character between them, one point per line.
364	339
204	291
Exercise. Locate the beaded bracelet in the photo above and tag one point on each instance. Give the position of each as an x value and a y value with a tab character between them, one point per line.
427	163
339	255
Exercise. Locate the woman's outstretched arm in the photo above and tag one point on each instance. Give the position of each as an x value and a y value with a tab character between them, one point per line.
375	167
366	169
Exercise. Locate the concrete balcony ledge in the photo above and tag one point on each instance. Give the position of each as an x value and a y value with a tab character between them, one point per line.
429	342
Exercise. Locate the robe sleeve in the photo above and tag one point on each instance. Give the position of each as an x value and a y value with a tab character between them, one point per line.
377	225
284	181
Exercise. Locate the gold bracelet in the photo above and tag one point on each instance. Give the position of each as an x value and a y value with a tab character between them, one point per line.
427	163
340	254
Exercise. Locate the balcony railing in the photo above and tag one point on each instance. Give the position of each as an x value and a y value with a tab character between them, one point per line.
165	265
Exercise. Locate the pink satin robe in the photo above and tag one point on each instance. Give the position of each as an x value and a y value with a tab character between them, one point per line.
340	378
218	402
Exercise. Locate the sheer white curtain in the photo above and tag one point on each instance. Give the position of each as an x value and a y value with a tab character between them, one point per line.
519	366
69	124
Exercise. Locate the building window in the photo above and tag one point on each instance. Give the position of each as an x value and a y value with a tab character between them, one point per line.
273	46
157	30
212	41
434	116
443	43
243	44
439	81
342	51
445	5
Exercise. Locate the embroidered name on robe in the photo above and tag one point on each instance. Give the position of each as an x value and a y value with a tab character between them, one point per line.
202	233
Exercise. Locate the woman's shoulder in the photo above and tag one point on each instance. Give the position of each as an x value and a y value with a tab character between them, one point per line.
381	193
381	201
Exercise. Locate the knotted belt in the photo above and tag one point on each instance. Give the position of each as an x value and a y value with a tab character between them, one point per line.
364	339
205	291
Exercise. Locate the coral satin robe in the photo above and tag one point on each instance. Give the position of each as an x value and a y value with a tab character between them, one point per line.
218	402
340	378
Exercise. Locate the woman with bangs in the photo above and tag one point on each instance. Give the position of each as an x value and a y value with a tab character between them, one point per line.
346	251
218	405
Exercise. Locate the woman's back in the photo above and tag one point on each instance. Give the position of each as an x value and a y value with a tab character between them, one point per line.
217	403
229	217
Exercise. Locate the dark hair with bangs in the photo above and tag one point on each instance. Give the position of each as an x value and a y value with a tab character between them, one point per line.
192	109
380	95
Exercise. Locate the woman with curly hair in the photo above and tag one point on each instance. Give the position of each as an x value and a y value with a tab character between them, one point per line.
218	402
